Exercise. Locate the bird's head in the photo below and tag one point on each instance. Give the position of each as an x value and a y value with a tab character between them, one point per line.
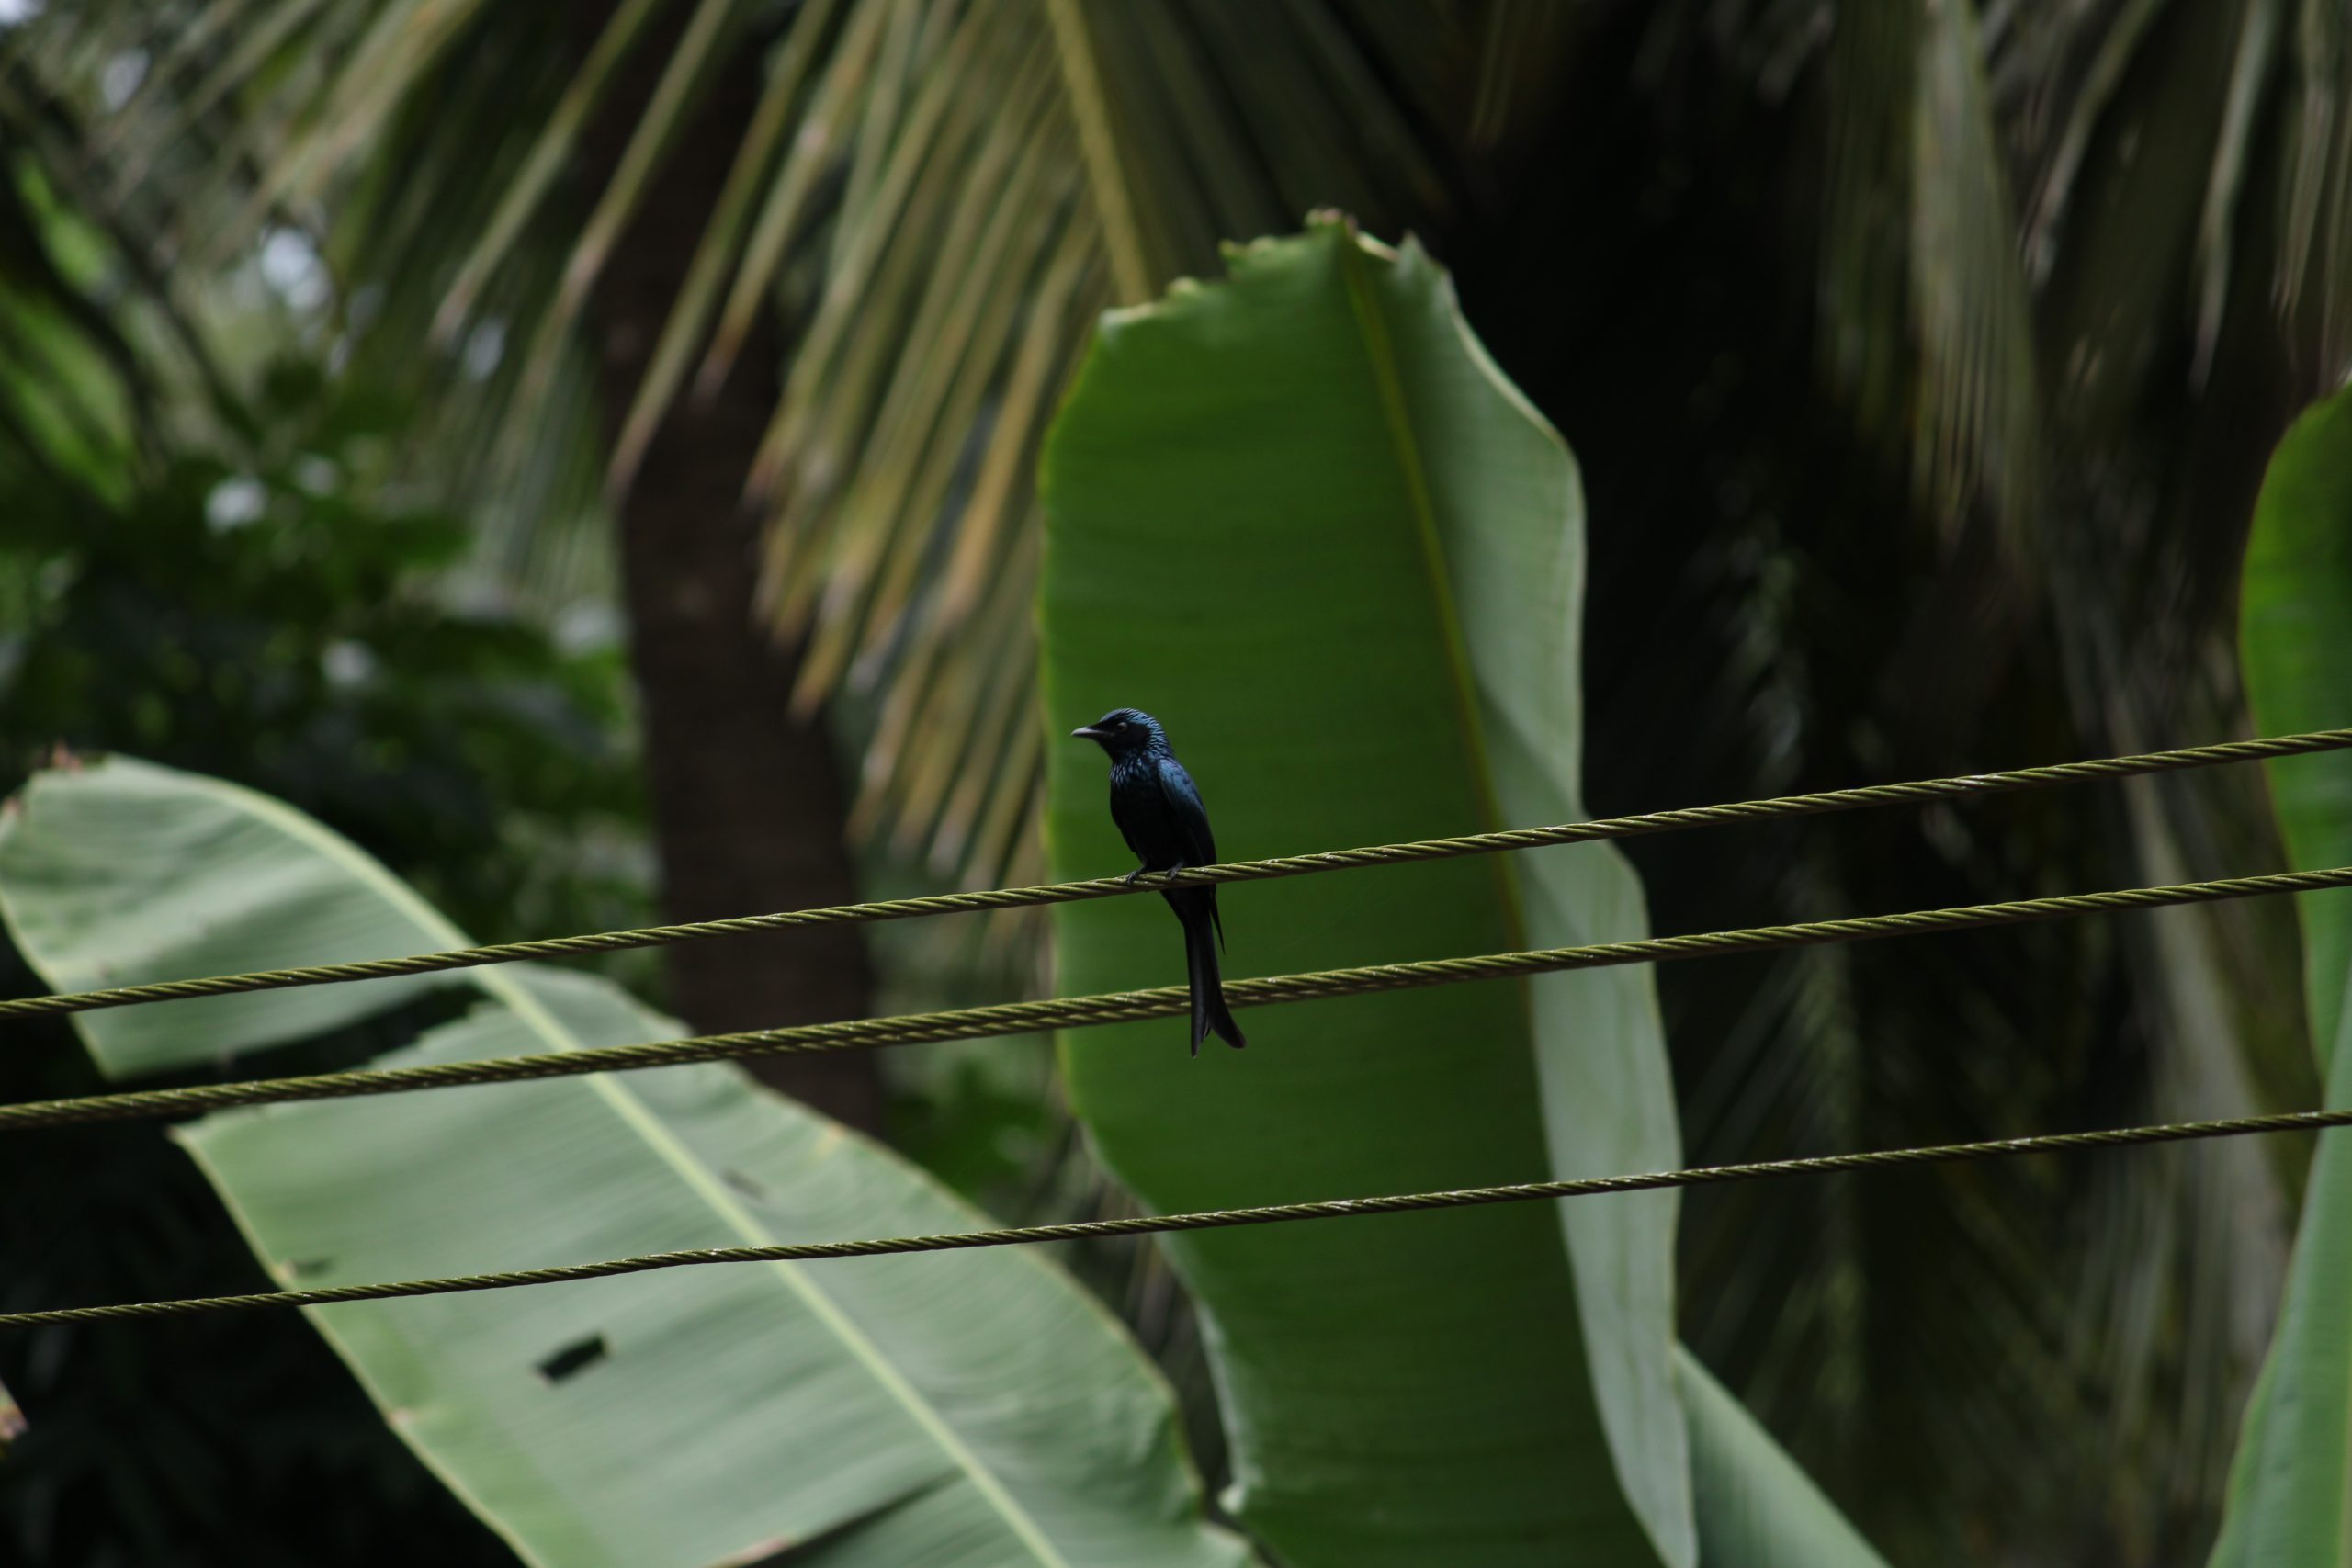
1124	732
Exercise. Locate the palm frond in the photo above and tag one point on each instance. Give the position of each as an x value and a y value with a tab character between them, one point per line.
1978	410
2316	251
936	193
1925	317
557	141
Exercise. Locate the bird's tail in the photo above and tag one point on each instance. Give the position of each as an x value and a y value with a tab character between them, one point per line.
1209	1014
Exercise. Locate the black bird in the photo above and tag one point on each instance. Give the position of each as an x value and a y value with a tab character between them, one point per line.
1158	811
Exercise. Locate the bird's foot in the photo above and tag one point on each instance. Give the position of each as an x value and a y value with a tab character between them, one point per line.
1172	871
1130	878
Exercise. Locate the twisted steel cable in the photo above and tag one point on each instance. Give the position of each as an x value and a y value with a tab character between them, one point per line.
1772	809
1214	1219
1120	1007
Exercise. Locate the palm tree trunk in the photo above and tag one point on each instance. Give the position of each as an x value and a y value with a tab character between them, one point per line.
749	808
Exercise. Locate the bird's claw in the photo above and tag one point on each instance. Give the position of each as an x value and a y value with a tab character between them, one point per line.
1172	872
1129	880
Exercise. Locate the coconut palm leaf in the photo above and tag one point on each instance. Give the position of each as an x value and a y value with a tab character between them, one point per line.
2134	129
939	192
104	358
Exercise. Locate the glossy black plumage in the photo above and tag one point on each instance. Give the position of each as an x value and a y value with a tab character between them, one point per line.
1158	812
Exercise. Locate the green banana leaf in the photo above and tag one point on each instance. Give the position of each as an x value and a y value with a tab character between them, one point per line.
2295	628
2291	1485
1757	1509
975	1410
1302	518
101	893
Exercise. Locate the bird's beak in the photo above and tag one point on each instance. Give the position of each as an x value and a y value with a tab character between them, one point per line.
1086	732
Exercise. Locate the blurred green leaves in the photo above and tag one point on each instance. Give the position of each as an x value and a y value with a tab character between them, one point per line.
284	617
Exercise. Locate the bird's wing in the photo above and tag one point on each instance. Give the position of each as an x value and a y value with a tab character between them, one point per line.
1192	817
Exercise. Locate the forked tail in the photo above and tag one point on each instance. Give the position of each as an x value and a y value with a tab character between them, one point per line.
1209	1013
